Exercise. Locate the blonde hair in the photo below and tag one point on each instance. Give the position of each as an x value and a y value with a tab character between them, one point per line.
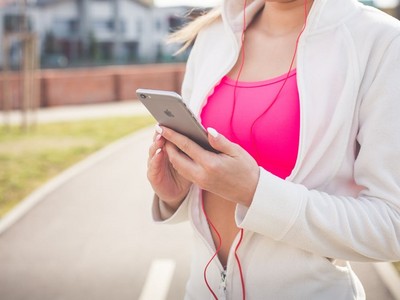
187	34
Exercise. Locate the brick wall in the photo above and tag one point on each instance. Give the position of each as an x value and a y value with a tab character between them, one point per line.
94	85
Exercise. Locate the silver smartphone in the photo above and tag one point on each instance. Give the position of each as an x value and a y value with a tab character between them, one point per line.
170	111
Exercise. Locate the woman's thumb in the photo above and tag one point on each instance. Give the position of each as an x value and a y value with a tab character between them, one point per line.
219	142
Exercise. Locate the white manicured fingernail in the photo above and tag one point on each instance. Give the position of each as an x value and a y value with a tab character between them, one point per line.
158	129
158	151
213	132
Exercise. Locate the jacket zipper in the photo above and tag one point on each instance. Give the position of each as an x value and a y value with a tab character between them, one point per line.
222	286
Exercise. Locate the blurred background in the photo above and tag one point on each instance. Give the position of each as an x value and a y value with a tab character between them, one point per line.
89	33
74	199
94	37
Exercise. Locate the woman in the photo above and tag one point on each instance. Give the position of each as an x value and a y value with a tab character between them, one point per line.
308	174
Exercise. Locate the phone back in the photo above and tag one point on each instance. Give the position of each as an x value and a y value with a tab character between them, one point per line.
170	111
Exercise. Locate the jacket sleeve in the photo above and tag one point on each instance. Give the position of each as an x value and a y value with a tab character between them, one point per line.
362	228
160	212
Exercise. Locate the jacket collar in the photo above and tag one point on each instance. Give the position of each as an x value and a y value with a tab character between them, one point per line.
324	14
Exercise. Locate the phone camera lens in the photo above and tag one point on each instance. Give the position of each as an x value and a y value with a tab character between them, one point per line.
143	96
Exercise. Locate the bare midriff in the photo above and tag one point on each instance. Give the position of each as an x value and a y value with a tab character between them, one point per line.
221	213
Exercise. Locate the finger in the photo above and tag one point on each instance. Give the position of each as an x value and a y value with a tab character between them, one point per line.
182	163
155	149
157	132
159	142
186	145
221	143
155	164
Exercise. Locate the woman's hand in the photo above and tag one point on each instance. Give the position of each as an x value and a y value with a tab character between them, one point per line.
232	174
169	186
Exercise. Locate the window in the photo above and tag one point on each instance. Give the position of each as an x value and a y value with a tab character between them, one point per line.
14	23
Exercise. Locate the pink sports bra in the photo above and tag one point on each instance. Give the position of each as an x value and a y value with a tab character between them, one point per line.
267	129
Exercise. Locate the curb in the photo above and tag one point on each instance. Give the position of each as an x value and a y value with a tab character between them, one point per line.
69	113
390	277
39	194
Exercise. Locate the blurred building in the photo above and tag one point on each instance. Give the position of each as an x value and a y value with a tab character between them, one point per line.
92	32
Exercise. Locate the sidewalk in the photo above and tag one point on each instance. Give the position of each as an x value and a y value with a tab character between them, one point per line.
81	239
71	113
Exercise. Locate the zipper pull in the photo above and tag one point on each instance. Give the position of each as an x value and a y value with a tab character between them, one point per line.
222	286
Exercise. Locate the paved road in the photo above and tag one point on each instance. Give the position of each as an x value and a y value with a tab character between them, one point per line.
92	238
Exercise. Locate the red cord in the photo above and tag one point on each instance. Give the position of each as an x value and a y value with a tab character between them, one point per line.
283	84
241	64
295	50
216	251
234	95
240	265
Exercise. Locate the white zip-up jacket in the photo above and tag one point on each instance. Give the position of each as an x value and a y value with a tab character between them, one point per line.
342	200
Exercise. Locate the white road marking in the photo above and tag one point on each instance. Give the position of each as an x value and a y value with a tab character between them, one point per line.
158	280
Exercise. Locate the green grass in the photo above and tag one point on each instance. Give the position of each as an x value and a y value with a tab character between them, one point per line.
27	160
